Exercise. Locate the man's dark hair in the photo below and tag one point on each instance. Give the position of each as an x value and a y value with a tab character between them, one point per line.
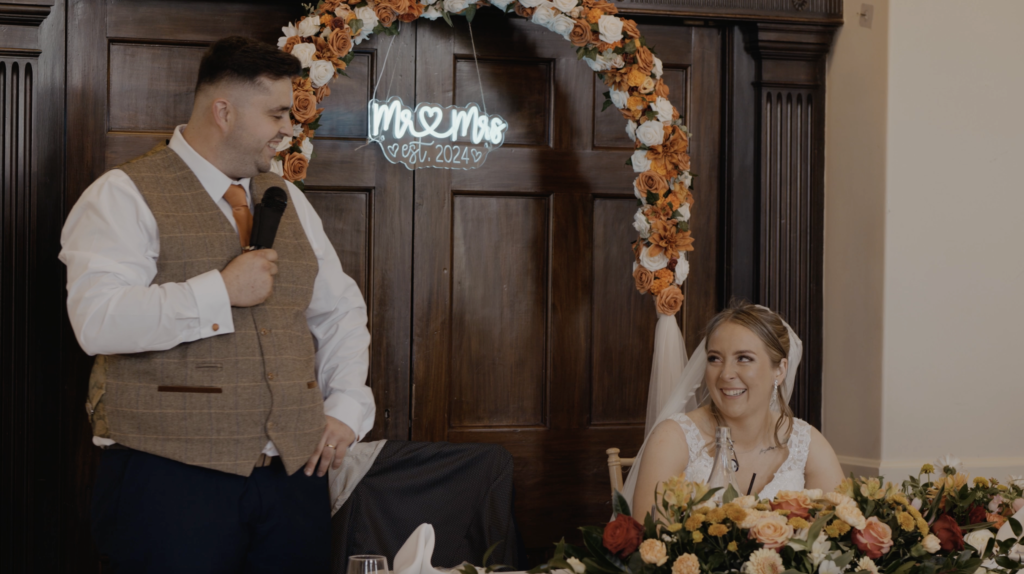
245	60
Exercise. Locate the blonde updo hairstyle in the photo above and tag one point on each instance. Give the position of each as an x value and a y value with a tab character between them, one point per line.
768	327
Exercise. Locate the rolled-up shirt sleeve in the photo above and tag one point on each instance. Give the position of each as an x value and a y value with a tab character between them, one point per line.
337	319
110	244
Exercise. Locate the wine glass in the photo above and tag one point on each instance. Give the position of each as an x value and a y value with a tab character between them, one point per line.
367	564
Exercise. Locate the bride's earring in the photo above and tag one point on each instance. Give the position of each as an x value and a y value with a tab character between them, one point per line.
774	405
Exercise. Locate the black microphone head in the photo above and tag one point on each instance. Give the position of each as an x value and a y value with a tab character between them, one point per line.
275	198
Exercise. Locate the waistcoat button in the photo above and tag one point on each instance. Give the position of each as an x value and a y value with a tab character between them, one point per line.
270	376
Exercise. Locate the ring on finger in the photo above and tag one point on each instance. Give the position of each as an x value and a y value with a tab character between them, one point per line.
330	446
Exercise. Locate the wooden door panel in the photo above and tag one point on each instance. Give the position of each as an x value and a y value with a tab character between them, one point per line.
499	311
346	217
556	371
151	86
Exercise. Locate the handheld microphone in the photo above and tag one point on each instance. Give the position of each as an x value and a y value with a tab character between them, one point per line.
266	218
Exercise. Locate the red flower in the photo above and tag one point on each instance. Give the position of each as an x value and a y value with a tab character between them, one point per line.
622	536
976	514
949	534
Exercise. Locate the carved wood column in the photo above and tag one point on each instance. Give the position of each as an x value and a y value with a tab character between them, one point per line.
789	119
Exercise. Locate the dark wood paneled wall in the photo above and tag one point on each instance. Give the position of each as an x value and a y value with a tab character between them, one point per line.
749	79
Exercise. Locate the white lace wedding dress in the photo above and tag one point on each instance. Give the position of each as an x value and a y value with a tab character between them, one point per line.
790	475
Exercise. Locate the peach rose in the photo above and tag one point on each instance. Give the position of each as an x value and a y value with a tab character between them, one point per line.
629	29
669	301
322	92
385	15
651	182
660	89
580	34
414	11
653	551
301	84
290	43
643	278
797	503
773	531
341	40
523	11
875	539
303	106
295	165
606	7
644	60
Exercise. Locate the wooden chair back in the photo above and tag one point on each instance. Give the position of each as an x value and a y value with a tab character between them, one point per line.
615	466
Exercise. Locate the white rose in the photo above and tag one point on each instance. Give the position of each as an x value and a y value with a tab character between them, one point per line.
599	65
543	15
814	493
1017	480
432	13
631	130
431	2
309	26
564	5
576	12
307	148
651	133
288	32
647	86
931	544
531	3
619	99
682	271
829	567
455	6
502	4
296	130
979	539
659	261
663	108
285	144
616	61
320	72
686	178
577	566
684	212
276	167
656	70
562	25
640	161
610	28
640	223
305	53
367	16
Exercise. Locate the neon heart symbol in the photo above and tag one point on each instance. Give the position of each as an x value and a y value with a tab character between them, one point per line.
430	111
393	149
476	155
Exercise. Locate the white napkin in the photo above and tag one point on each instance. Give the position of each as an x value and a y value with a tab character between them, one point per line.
354	466
414	557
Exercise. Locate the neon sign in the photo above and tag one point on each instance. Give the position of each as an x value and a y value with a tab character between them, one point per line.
422	137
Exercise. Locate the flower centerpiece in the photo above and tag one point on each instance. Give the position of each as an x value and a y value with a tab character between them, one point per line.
935	523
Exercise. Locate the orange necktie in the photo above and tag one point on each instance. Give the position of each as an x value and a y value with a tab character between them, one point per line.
235	197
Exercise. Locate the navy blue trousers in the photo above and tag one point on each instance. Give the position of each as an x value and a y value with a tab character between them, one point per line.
152	514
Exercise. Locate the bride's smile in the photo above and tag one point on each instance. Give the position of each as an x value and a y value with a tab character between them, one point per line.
740	375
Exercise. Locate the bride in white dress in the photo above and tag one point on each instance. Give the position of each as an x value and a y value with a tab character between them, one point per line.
740	377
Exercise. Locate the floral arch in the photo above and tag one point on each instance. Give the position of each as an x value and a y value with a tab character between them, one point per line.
611	45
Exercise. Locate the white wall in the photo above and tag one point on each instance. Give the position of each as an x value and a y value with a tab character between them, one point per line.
948	213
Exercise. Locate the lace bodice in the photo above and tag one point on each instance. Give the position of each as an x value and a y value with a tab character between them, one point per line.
790	475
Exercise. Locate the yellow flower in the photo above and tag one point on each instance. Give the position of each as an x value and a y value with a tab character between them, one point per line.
698	537
635	77
906	521
981	481
694	522
832	531
733	547
914	512
718	530
686	564
1003	487
922	526
764	506
872	489
898	498
674	527
782	512
845	487
927	468
716	515
764	561
798	523
736	514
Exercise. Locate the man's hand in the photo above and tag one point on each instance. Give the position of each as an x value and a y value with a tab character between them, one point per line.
339	435
249	277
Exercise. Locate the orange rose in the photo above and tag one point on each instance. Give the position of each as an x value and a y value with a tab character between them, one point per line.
523	11
606	7
660	89
325	19
643	278
290	43
295	165
324	51
669	301
772	531
593	15
322	92
796	502
414	11
644	60
659	285
301	84
303	106
385	15
629	29
341	41
636	103
330	5
580	34
651	182
635	77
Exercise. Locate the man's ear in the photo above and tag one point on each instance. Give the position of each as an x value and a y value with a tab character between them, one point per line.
223	114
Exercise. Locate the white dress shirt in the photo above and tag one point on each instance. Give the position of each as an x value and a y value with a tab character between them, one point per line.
111	245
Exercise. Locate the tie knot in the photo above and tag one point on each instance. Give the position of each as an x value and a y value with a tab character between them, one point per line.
235	196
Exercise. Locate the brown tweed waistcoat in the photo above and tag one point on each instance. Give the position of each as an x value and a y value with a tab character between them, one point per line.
215	402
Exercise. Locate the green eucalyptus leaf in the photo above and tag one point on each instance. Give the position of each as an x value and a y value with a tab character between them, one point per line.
447	18
730	494
470	12
1015	527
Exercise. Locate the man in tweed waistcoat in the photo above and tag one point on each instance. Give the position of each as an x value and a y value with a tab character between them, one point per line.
226	383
